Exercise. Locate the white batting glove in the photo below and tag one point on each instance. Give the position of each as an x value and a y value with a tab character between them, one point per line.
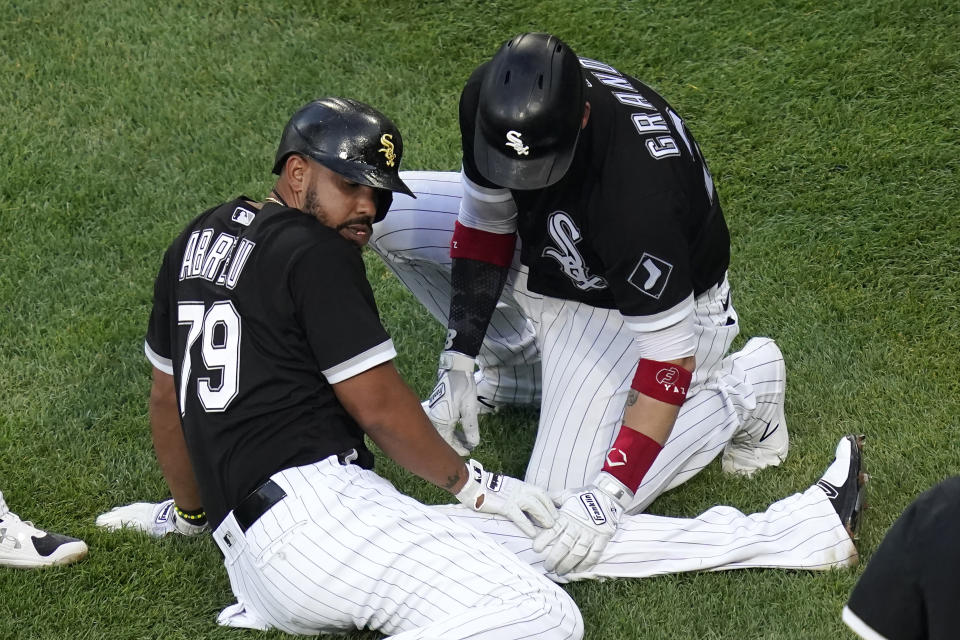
587	519
524	504
453	402
155	519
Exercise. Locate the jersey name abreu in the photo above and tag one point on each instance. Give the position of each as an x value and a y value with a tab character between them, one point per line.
220	262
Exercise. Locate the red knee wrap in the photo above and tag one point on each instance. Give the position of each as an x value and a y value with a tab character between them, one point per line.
496	248
631	456
662	381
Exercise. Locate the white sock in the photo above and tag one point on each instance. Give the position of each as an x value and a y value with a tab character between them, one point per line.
836	473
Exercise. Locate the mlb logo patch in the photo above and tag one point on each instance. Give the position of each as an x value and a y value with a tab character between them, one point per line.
243	216
651	275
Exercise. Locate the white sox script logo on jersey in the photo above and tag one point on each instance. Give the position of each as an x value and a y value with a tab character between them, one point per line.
515	143
566	235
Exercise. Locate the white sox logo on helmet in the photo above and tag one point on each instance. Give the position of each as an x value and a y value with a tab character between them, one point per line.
387	150
515	143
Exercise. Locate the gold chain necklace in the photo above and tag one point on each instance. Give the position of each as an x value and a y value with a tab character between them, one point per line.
278	200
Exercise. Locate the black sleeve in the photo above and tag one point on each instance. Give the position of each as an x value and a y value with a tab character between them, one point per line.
476	287
158	338
647	260
887	598
335	304
910	588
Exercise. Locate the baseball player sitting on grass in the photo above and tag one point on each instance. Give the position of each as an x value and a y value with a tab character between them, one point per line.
269	366
580	258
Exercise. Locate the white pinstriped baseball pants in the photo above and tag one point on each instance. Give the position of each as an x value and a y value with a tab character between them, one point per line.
346	550
577	360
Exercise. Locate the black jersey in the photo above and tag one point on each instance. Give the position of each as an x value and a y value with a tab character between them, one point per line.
635	224
256	313
910	589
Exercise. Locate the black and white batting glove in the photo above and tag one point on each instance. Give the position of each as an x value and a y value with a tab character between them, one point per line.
524	504
156	519
587	519
453	403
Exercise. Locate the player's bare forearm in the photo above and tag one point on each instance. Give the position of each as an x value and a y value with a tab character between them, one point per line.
651	417
169	444
390	413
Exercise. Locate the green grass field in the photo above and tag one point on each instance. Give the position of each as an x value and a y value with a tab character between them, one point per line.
831	130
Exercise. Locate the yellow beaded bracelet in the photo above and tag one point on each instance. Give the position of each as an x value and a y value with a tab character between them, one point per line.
201	515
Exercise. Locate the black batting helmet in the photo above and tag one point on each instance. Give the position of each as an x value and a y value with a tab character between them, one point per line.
350	138
530	112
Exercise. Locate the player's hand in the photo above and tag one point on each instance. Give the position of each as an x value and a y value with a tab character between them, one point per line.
453	403
155	519
587	519
524	504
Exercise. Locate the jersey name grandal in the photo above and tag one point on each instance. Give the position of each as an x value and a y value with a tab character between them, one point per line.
647	124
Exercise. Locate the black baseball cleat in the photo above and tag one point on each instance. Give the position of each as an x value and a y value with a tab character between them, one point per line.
845	483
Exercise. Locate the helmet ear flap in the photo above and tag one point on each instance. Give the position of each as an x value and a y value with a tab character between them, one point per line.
384	200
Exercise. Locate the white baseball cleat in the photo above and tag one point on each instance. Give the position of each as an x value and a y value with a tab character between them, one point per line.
23	546
762	440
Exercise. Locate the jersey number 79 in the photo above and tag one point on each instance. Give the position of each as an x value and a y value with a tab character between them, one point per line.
218	329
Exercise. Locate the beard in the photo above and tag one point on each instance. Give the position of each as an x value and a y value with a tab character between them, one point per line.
313	206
